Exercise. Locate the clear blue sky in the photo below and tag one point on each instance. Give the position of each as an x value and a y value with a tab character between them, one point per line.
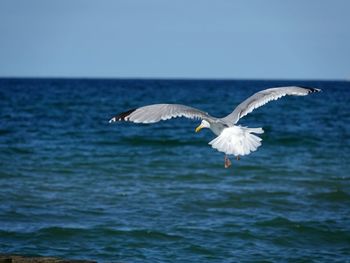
296	39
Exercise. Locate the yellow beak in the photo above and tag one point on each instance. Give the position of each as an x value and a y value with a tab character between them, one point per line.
199	128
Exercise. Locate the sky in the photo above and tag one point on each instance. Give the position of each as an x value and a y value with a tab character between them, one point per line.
244	39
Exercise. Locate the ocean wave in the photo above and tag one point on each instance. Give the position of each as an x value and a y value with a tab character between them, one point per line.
309	229
332	196
161	142
60	232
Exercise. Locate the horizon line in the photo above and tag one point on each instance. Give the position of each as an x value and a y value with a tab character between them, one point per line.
171	78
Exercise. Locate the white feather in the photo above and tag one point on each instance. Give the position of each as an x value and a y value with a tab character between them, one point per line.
237	140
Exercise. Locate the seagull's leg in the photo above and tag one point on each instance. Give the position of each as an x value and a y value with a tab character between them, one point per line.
227	162
238	158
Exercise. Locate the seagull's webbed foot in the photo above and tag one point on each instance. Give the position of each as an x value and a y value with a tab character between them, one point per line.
227	162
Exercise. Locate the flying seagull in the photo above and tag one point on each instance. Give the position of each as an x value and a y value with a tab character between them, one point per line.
231	139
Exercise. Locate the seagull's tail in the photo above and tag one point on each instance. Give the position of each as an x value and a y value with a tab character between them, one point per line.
237	140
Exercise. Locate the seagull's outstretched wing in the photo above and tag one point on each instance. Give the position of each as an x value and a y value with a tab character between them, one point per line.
262	97
157	112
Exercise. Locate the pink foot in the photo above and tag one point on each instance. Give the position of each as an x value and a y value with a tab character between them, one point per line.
227	162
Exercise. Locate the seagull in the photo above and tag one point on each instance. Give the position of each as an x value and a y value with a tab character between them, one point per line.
231	139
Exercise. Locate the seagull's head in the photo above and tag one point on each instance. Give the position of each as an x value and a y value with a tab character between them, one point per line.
204	124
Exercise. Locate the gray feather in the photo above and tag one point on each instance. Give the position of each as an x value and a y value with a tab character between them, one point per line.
261	98
157	112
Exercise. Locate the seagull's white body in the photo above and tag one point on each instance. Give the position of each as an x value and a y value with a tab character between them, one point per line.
237	140
231	139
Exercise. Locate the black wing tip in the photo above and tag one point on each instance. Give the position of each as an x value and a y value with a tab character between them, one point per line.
121	116
311	90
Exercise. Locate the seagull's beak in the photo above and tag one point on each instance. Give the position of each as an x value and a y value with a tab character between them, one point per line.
199	128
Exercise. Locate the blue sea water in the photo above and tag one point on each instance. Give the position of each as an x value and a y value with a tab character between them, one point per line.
74	186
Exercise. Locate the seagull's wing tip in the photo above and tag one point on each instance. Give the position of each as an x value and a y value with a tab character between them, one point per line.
311	90
112	120
315	90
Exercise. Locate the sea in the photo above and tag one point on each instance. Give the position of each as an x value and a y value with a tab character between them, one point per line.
74	186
